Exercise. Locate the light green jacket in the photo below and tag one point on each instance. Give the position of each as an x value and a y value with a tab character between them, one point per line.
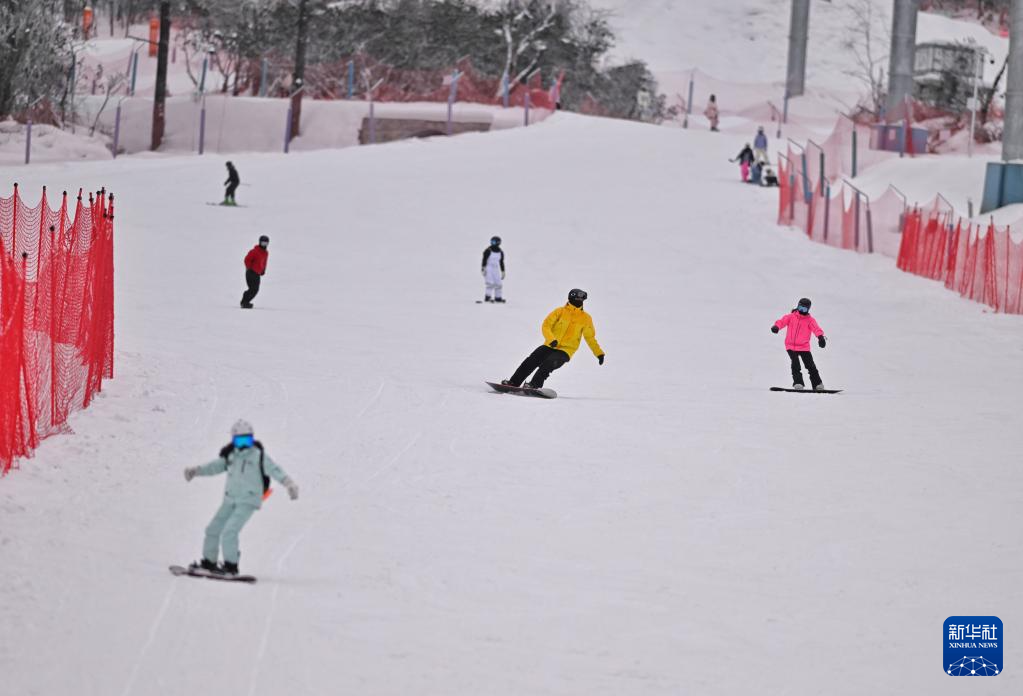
244	480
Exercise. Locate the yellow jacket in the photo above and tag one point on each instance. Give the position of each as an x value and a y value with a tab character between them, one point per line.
568	325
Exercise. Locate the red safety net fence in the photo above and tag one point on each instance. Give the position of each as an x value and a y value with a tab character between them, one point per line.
56	315
980	262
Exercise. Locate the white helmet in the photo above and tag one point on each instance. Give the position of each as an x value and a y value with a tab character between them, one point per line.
241	427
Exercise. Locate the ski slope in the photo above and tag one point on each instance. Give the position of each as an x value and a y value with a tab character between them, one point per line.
666	526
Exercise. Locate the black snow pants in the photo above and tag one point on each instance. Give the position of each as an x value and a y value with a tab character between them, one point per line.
252	280
544	360
797	374
232	186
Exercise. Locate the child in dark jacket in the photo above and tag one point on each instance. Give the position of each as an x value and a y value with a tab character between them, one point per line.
799	326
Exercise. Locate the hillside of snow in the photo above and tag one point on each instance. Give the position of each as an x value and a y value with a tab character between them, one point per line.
666	526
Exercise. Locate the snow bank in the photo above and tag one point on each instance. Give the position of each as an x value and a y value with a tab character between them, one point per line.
49	144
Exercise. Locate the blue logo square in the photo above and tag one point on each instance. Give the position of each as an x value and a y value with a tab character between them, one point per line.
973	646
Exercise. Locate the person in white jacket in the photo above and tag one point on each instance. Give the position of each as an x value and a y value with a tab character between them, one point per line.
493	271
249	470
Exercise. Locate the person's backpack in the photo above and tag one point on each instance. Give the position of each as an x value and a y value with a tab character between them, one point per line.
226	451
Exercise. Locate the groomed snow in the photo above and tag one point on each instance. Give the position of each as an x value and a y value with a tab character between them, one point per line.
666	526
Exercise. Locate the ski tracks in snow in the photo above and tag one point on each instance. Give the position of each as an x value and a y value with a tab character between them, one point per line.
154	628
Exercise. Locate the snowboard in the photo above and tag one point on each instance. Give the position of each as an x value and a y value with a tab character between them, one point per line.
544	393
201	573
806	391
482	302
224	205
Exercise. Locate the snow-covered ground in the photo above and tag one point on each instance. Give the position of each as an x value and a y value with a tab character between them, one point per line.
666	526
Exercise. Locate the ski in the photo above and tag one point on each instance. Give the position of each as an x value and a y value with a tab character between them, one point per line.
202	573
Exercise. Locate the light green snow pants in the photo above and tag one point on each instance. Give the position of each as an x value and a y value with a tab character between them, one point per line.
223	530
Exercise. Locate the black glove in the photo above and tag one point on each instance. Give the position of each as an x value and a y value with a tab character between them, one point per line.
600	359
554	343
774	329
821	341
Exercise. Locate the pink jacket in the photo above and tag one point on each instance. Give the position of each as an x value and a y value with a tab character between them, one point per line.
798	328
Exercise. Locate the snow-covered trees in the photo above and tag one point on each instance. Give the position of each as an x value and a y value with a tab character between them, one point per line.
35	54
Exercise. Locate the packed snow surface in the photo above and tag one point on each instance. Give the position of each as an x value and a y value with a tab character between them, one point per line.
666	526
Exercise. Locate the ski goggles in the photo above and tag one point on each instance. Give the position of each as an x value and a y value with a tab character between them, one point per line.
803	309
243	441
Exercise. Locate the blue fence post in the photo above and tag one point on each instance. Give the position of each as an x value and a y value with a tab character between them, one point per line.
504	90
28	140
262	77
807	193
134	71
526	115
202	78
689	104
351	78
821	181
202	126
785	109
117	128
287	130
857	205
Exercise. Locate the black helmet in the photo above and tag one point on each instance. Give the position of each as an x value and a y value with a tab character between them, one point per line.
495	241
264	238
803	302
577	294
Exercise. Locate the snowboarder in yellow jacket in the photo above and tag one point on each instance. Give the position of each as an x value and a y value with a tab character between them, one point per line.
563	330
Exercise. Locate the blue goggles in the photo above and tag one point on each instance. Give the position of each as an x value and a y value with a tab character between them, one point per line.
803	309
243	441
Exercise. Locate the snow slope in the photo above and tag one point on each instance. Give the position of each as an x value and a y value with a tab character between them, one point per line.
667	526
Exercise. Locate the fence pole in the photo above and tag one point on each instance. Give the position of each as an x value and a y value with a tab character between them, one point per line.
504	90
202	78
821	182
452	96
117	127
526	116
202	126
372	123
827	210
857	227
792	197
287	130
854	148
28	140
870	231
262	77
689	103
785	109
351	78
134	71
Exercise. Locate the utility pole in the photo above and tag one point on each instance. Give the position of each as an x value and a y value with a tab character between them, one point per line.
799	27
160	97
903	55
298	80
1012	136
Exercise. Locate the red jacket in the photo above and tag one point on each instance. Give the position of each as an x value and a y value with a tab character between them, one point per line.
256	259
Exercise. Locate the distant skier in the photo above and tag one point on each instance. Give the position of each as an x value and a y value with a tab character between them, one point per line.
563	329
755	171
799	326
768	177
711	112
760	145
232	185
493	271
745	159
255	269
249	470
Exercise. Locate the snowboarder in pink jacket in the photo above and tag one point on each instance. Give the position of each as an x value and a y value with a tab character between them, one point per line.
799	326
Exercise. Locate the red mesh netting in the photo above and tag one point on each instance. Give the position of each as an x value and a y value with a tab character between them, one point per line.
56	315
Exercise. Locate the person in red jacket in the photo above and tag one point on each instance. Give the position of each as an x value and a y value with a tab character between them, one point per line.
799	326
255	268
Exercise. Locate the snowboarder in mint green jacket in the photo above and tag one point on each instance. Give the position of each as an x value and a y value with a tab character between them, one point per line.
249	470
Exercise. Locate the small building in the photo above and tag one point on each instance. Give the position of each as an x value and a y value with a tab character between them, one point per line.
943	76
